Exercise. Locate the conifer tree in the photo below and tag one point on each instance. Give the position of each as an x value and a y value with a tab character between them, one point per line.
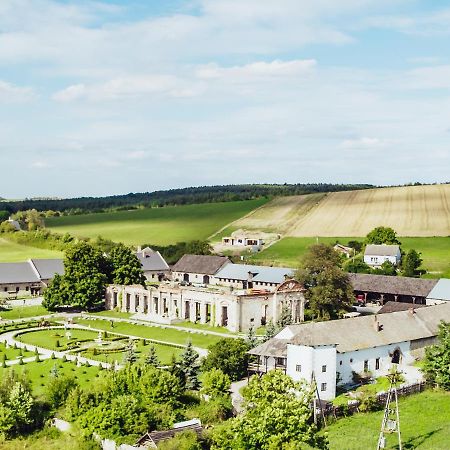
252	340
189	365
152	359
130	356
271	331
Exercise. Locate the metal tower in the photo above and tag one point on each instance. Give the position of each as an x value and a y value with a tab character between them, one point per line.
391	417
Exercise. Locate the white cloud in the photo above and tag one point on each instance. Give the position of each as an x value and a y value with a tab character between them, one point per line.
12	93
363	143
40	165
259	69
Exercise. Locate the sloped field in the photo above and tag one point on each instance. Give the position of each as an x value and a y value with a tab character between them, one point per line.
410	210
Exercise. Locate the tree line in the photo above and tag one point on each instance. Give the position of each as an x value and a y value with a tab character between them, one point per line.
183	196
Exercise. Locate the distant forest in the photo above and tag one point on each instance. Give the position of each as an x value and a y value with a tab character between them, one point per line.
202	194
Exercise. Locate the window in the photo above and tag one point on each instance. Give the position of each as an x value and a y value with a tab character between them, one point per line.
340	363
377	363
366	365
280	362
323	387
298	368
324	368
351	360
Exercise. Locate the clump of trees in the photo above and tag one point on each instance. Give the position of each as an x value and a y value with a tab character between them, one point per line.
277	415
329	291
87	270
437	358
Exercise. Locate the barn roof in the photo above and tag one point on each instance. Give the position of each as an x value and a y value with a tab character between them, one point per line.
398	306
47	268
204	264
20	272
361	332
416	287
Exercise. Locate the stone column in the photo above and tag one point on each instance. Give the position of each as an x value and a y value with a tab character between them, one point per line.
202	312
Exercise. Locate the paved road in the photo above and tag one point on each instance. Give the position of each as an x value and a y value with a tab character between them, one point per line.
236	398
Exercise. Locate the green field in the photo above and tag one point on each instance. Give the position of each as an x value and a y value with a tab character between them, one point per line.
12	353
151	332
22	312
159	226
13	252
288	252
424	424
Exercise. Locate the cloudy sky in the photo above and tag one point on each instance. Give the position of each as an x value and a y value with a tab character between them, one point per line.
106	97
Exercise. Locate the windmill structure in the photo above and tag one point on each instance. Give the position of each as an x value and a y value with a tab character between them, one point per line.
391	418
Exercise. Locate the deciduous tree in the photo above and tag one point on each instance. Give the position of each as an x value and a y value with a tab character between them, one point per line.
437	358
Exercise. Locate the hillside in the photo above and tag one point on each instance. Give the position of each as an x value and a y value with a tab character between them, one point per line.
410	210
159	226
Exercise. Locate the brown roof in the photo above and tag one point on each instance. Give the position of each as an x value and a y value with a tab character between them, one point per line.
397	306
384	284
204	264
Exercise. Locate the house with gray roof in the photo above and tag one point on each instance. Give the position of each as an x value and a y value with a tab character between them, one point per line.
153	264
376	255
29	277
331	352
198	268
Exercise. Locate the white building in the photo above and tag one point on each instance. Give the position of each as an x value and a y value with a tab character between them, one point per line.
243	241
238	310
332	351
376	255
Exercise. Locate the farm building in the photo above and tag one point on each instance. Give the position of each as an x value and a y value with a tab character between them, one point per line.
198	268
344	250
14	223
332	351
28	278
376	255
238	310
383	288
242	241
154	265
440	292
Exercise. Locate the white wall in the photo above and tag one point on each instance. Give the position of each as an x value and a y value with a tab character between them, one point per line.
314	360
375	260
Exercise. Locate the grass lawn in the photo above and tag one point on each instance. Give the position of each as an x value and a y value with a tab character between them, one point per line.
39	373
163	352
21	312
288	251
13	252
50	338
149	332
424	423
381	384
12	353
159	226
114	314
203	326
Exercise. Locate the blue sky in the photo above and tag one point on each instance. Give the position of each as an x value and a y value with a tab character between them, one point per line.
107	97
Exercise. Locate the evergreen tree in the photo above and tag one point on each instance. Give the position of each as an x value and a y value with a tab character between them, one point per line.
189	365
130	356
271	331
437	358
285	318
411	263
152	359
252	340
54	372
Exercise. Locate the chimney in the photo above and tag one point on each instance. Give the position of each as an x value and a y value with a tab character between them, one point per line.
376	324
139	249
411	311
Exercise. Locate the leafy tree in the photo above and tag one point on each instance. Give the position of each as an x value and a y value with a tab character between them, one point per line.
329	291
355	245
21	404
387	268
285	318
357	265
6	227
126	267
84	280
411	262
437	358
230	356
58	389
276	413
152	358
215	383
189	365
382	235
